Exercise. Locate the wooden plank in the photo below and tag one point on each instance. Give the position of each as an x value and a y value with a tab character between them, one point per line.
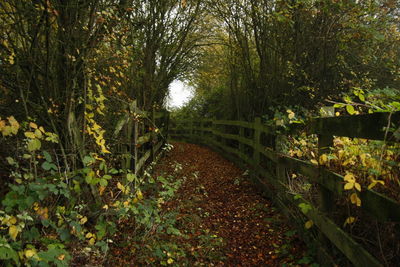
382	207
242	140
343	241
143	160
378	205
369	126
236	152
244	124
144	139
158	146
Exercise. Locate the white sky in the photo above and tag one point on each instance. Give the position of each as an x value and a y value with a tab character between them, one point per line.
179	93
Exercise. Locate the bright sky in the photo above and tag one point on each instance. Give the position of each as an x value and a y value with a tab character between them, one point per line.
179	93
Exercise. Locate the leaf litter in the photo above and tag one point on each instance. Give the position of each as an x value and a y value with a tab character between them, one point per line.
223	218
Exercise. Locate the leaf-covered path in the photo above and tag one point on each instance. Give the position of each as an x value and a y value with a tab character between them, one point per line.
223	217
254	233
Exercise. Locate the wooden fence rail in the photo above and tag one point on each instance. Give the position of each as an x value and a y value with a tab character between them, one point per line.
223	135
139	135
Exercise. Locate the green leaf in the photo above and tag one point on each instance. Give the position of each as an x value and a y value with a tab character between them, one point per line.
7	253
305	207
130	177
113	171
48	166
107	177
10	161
103	182
47	156
34	145
350	109
88	160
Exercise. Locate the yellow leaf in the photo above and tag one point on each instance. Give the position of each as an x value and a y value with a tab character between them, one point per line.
83	220
101	190
357	186
104	149
33	125
323	159
350	220
139	194
170	261
120	186
89	235
43	213
13	232
6	131
105	207
61	257
309	224
29	253
38	134
313	161
41	129
2	124
92	241
355	199
30	135
14	124
349	177
348	186
12	220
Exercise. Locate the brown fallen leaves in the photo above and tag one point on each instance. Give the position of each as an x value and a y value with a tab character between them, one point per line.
219	200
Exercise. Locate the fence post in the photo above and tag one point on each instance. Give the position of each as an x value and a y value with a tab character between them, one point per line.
213	129
326	196
201	126
280	168
256	145
241	145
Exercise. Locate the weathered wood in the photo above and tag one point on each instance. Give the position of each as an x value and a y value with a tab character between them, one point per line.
142	161
144	139
343	241
240	139
244	124
325	141
256	143
382	207
369	126
363	126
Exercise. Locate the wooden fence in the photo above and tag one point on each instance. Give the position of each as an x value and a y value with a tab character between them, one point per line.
256	146
138	137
